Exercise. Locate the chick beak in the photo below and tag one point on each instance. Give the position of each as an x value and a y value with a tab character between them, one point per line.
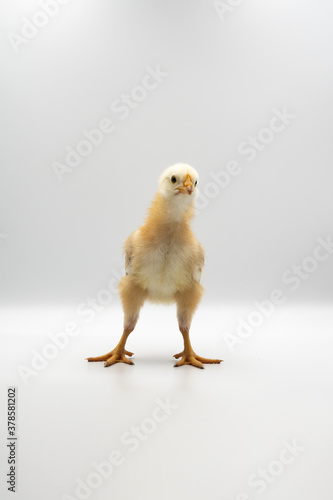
187	186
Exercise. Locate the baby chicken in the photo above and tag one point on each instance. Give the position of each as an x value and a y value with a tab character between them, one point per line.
163	262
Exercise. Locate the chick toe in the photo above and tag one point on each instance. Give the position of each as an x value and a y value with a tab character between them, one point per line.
118	358
110	355
179	355
194	360
189	360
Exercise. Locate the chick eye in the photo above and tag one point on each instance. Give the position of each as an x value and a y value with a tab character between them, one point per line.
173	179
196	182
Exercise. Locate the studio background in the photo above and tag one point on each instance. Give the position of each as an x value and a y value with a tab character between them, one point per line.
225	77
98	98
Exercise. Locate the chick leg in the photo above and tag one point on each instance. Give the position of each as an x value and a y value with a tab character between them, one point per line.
133	297
186	304
118	354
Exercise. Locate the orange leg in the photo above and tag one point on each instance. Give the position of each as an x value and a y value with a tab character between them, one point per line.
117	355
187	302
133	297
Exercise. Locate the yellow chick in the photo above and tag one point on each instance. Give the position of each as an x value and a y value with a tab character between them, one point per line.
163	262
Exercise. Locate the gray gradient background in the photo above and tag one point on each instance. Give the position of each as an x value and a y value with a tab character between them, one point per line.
64	240
61	243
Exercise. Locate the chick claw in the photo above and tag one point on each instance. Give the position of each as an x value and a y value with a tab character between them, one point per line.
194	360
113	357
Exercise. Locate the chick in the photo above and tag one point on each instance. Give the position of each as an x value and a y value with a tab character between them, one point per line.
163	262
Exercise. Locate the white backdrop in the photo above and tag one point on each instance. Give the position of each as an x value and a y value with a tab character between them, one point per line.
219	74
98	98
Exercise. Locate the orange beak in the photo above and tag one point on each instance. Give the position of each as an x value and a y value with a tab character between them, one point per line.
187	186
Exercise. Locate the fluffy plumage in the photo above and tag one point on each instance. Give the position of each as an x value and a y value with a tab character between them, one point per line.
163	255
163	262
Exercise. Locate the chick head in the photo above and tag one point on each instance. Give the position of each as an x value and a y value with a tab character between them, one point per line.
179	182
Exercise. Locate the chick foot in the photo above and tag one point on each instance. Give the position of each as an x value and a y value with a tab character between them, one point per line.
193	359
114	356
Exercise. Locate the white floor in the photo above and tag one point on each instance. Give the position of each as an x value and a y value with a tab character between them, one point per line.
257	426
